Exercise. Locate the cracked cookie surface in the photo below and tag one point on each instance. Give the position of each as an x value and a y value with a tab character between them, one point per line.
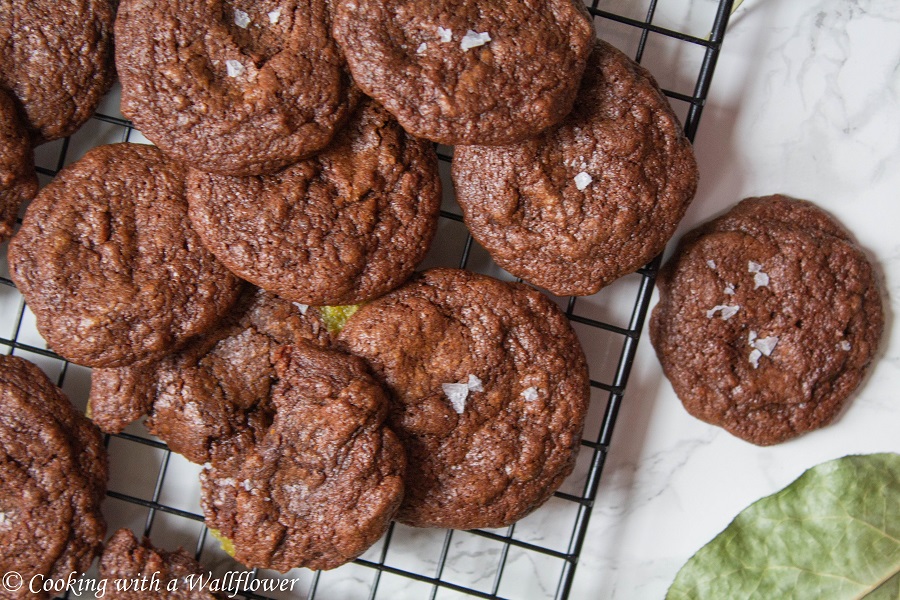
217	388
489	389
323	482
340	228
108	262
240	87
54	468
591	199
57	61
466	71
768	319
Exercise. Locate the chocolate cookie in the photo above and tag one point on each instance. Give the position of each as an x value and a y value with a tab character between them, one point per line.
588	201
54	470
216	388
467	71
489	388
340	228
18	180
768	318
57	61
323	483
124	558
108	262
240	87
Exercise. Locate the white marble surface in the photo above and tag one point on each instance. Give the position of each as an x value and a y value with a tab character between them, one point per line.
806	102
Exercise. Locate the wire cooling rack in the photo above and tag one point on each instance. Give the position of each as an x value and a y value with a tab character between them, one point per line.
156	492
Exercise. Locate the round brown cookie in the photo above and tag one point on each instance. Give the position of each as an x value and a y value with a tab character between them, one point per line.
588	201
219	386
340	228
241	87
467	71
489	392
767	321
323	483
54	470
57	60
18	179
124	558
108	262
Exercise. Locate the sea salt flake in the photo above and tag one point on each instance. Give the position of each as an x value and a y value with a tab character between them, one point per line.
582	180
755	355
422	48
474	384
760	280
754	267
301	307
530	394
274	16
761	347
711	264
3	519
445	35
247	485
473	39
766	345
456	393
234	68
845	346
192	413
727	311
729	289
241	19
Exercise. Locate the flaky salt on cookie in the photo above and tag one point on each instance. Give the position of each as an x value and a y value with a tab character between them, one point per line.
768	319
489	391
239	88
471	71
323	482
592	199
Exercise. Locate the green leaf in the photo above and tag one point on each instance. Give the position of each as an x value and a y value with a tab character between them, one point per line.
890	590
833	533
335	317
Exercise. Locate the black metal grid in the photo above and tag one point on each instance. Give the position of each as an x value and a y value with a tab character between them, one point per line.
576	500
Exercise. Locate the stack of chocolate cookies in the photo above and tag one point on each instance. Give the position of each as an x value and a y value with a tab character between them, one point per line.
294	170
